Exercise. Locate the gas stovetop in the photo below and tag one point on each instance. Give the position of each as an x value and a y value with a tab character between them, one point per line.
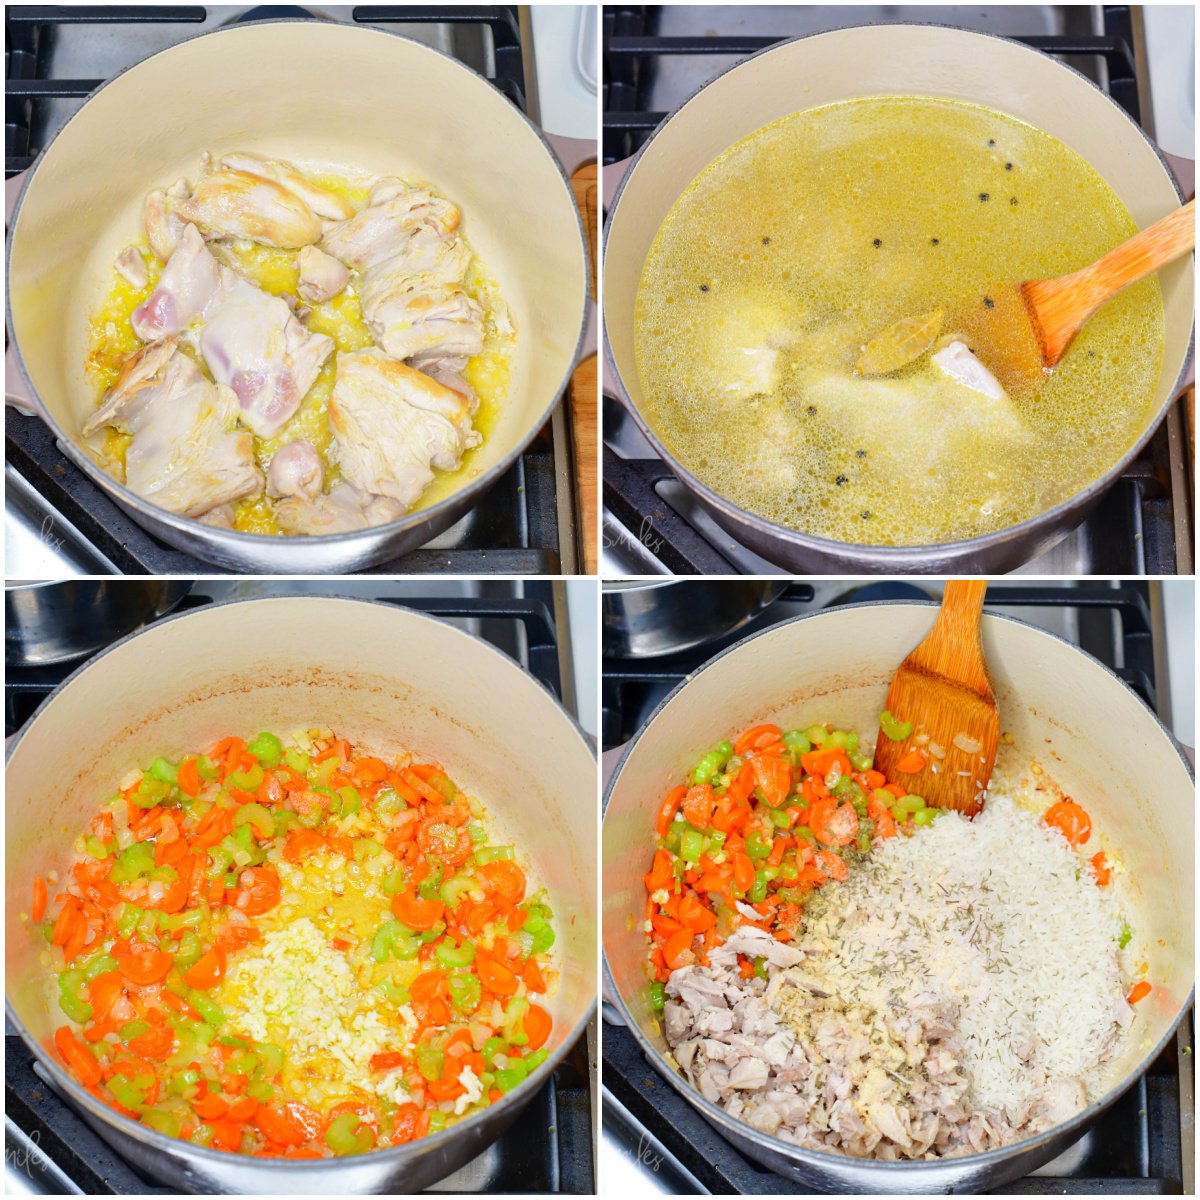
1143	1145
549	1149
655	57
56	520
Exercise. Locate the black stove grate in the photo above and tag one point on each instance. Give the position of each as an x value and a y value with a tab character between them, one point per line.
515	532
1133	530
549	1147
1136	1146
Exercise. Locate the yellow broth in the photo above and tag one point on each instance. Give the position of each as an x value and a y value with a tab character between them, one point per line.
800	244
111	341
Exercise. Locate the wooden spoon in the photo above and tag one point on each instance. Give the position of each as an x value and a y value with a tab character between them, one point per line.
1059	308
942	690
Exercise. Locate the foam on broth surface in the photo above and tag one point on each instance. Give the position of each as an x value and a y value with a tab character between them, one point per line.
801	243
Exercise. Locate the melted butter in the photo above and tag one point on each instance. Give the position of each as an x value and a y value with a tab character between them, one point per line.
111	341
800	244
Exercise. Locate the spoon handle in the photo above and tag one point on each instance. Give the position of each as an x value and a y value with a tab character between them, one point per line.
954	647
1089	288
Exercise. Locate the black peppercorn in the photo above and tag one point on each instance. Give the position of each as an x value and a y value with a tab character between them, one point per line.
877	243
1008	166
860	454
704	287
865	514
766	241
840	480
1013	201
984	197
988	302
812	410
935	241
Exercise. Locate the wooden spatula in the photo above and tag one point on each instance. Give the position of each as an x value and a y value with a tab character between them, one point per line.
942	690
1059	308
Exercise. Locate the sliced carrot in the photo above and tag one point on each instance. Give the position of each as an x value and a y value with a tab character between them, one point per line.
1100	869
661	873
1071	820
207	971
678	950
537	1024
773	778
821	763
756	738
155	1044
259	892
531	973
494	975
668	809
697	806
416	913
40	896
301	843
76	1056
832	823
507	878
912	763
140	962
833	866
188	777
1139	991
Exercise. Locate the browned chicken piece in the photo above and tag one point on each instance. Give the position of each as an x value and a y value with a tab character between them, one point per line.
236	204
321	275
321	200
393	425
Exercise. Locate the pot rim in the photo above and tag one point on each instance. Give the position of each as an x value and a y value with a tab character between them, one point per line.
136	1130
894	557
960	1164
247	542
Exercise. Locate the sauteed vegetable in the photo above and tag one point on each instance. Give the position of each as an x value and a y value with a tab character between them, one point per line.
927	1009
294	948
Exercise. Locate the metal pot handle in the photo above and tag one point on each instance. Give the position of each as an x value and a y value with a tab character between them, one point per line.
614	176
573	153
16	390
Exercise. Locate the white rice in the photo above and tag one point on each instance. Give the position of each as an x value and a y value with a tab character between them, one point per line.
999	914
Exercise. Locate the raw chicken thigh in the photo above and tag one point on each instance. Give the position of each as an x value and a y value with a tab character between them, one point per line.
296	470
250	340
186	456
184	290
393	425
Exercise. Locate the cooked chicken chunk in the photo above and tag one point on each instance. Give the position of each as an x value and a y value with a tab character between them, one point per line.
962	366
343	510
395	209
253	343
420	317
237	204
296	470
321	275
321	200
413	265
393	425
164	226
185	456
187	285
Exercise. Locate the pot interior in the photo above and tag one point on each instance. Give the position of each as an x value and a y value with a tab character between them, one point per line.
385	678
1085	728
887	60
345	99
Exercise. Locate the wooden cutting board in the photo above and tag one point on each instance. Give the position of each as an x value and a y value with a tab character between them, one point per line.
584	391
